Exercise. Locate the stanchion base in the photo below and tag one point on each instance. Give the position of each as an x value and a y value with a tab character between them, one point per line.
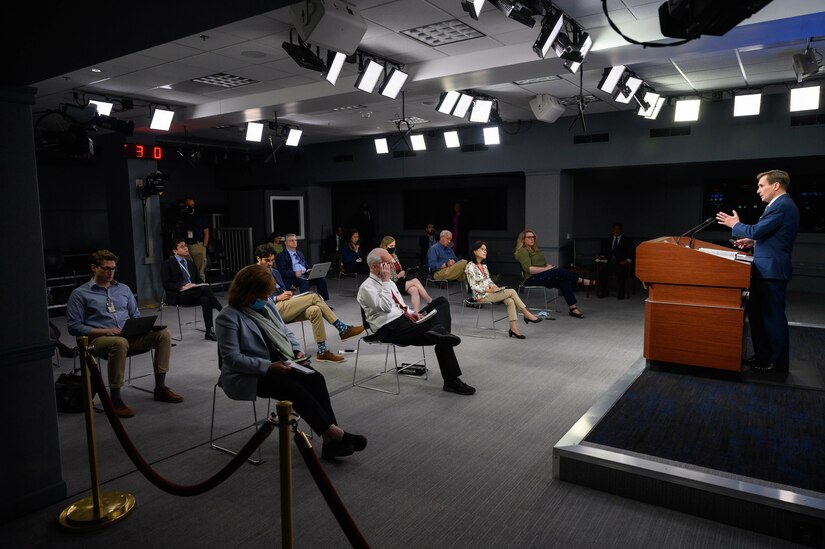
80	515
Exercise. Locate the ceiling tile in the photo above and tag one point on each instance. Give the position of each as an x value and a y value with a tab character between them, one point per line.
405	14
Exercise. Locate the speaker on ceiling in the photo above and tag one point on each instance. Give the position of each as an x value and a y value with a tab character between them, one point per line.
546	108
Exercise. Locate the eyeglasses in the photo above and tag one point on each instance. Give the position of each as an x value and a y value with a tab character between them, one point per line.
529	236
107	269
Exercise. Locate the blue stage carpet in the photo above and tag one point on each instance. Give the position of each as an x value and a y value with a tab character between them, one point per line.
765	431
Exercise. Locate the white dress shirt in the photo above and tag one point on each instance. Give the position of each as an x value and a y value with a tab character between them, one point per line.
376	298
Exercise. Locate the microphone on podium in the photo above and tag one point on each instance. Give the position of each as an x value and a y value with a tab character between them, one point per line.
707	222
693	230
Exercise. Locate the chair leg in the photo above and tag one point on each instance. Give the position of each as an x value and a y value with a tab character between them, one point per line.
212	430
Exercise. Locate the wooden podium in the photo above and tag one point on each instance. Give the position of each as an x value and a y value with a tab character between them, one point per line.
694	313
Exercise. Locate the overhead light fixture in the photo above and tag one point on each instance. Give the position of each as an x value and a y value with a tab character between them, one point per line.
550	28
481	110
747	105
162	119
805	99
303	55
463	105
381	146
647	103
254	131
655	106
610	78
687	110
103	107
515	11
368	78
451	139
392	84
447	102
491	136
335	61
625	91
473	7
293	137
584	48
418	143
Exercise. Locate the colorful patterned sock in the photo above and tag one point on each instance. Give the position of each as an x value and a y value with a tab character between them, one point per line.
340	326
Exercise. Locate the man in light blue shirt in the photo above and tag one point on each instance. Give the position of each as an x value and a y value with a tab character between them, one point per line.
442	261
293	267
98	310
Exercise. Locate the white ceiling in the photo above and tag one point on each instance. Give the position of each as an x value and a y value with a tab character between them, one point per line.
756	53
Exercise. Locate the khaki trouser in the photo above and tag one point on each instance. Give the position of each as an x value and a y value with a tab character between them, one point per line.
510	298
453	272
116	348
197	251
310	307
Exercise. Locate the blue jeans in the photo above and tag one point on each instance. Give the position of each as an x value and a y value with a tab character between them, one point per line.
562	279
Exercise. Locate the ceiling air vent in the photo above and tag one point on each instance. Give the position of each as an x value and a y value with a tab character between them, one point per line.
670	132
591	138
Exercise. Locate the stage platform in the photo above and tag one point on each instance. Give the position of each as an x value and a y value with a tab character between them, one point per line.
746	450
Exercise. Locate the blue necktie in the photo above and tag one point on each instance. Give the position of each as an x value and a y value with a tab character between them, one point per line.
186	278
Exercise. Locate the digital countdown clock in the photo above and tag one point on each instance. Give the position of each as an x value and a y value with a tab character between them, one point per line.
143	152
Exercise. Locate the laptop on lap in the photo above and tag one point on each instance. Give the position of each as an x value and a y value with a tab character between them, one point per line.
136	327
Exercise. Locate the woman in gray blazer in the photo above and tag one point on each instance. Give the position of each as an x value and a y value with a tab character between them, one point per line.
261	357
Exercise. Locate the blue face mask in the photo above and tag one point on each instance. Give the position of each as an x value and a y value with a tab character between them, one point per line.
258	304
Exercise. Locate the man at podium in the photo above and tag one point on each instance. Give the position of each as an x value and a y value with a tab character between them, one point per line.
772	239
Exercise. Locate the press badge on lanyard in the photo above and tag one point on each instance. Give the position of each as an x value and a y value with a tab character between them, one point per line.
110	306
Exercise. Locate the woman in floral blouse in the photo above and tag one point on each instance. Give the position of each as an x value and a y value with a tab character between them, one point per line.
478	277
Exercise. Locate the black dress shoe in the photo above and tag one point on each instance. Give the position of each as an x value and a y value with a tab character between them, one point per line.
750	361
458	387
358	442
511	333
210	335
337	448
437	338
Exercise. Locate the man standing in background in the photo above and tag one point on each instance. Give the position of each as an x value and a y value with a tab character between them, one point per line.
196	234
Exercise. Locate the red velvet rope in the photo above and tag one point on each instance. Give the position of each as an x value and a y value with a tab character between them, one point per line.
334	502
146	470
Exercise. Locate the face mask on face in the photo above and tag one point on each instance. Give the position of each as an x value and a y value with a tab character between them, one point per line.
258	304
391	250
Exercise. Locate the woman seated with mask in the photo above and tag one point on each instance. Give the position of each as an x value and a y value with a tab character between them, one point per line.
405	282
258	352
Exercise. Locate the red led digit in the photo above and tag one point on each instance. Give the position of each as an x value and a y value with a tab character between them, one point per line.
139	151
157	153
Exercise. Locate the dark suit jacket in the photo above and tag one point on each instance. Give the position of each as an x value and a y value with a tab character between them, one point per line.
424	246
774	236
283	262
624	249
172	277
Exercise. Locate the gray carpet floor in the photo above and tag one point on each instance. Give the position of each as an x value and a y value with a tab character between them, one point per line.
441	470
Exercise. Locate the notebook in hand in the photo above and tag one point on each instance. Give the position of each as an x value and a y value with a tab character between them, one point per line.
138	326
426	317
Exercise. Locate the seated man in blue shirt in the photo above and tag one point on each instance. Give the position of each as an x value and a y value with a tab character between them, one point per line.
294	268
442	261
99	309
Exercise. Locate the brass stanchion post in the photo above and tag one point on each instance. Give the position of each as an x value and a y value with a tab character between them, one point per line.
284	409
99	509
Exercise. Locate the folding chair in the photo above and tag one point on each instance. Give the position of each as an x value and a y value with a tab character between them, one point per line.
178	308
254	420
554	296
478	306
372	339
